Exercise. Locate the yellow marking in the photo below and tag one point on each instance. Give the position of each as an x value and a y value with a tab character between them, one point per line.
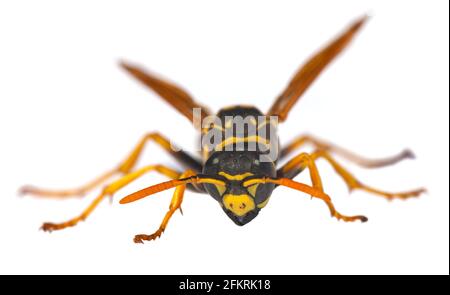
254	181
235	177
211	181
263	204
231	140
221	189
252	189
238	204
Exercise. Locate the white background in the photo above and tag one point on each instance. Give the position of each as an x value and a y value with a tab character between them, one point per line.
67	113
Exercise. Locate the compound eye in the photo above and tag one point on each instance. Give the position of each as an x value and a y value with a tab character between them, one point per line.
252	189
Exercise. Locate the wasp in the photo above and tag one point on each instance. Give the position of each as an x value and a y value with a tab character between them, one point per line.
240	169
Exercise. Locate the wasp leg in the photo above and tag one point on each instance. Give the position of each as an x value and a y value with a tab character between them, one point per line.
65	193
348	155
296	165
354	183
125	167
175	204
110	190
299	163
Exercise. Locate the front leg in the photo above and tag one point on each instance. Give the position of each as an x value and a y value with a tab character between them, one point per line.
175	204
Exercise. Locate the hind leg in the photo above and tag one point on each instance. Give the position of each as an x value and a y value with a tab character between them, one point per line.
302	140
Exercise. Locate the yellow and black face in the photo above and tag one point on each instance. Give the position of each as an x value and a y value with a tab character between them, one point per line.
241	204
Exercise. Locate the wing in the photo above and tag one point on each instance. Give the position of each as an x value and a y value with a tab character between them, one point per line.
310	71
174	95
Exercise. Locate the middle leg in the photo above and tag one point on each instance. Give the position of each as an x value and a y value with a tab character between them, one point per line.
299	163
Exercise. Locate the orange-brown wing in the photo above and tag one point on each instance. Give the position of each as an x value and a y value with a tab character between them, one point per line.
171	93
310	70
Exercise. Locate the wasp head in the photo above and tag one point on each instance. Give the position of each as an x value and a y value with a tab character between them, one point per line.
241	203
